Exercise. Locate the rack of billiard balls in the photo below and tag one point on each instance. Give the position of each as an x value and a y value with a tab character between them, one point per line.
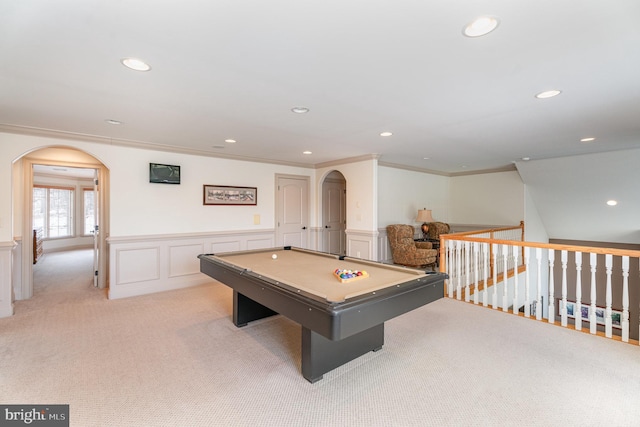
345	276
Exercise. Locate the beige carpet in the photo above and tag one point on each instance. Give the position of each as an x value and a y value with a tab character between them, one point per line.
175	359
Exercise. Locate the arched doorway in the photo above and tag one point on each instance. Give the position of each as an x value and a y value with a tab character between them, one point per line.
60	157
334	213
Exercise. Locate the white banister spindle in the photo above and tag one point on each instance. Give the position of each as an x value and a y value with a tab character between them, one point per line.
467	275
515	250
527	296
449	266
563	301
485	261
624	322
495	276
476	267
593	261
539	284
578	309
505	278
552	303
459	269
608	327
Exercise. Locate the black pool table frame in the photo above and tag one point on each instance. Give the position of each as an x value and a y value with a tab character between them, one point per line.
333	333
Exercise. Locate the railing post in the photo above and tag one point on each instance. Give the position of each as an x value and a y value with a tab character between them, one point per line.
624	322
527	296
539	284
476	267
505	278
608	263
485	263
552	303
515	306
467	274
459	270
593	260
449	267
563	301
577	315
494	248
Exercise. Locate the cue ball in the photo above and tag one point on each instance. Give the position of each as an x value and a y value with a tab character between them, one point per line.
274	256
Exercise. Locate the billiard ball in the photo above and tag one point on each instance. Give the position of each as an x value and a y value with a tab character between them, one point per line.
274	256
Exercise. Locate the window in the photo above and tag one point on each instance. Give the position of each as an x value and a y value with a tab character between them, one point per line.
53	210
89	211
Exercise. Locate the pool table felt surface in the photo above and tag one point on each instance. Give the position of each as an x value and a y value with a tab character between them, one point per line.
312	272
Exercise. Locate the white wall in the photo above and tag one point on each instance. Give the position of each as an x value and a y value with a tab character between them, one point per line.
401	193
138	207
362	201
490	199
534	230
570	194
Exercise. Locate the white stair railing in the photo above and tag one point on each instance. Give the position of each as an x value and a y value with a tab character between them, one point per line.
500	274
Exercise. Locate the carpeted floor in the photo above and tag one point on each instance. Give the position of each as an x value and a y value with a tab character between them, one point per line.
175	359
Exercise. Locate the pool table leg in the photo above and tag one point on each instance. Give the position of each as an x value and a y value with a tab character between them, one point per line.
246	310
321	355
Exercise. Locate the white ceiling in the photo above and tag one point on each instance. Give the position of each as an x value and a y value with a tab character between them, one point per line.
234	69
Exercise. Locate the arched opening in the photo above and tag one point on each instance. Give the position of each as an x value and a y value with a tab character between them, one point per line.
334	213
64	179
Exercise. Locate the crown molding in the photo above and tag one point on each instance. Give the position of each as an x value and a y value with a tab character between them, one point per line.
50	133
347	160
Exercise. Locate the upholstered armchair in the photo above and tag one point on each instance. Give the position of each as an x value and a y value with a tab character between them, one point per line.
406	251
437	228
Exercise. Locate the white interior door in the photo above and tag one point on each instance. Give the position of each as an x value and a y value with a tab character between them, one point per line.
334	216
292	214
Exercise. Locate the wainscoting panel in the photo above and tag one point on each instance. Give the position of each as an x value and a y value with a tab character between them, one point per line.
260	244
362	244
218	247
146	264
183	259
137	265
6	300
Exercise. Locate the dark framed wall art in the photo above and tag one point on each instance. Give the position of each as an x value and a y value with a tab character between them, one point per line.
228	195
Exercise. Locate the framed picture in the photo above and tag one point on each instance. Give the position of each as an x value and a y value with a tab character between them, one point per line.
164	174
227	195
616	316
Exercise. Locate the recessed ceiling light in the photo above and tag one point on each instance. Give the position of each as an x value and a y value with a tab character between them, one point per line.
426	158
113	122
307	152
230	141
526	159
300	110
548	94
386	134
612	202
587	139
135	64
480	26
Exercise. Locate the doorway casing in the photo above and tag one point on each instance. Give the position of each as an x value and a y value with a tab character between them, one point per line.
41	157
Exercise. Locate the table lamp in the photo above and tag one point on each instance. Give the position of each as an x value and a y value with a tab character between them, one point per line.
424	216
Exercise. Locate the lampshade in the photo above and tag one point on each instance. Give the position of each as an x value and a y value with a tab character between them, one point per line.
424	215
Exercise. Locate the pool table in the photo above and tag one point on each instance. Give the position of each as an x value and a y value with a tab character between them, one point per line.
340	320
